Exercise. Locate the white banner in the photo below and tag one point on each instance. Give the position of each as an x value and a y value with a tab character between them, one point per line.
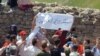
32	35
54	21
36	33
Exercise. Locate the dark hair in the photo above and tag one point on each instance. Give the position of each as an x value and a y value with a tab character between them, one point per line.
64	33
75	47
88	41
12	37
73	29
87	47
68	39
57	42
44	45
19	31
34	41
59	28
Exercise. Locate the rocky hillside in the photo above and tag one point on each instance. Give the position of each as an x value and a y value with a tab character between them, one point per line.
87	21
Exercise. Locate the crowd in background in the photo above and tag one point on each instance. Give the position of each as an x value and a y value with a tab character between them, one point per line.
62	43
18	4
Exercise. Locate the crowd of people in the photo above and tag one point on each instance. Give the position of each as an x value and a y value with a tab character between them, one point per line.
62	43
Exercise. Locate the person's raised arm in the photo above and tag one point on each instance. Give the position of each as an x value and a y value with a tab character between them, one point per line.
2	50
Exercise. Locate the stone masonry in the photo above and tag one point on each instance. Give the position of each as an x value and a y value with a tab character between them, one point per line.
24	19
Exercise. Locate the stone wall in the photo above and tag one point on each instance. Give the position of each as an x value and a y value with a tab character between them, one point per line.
20	18
23	19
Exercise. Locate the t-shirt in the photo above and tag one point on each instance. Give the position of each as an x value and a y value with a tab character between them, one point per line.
55	52
69	43
32	51
74	54
80	49
18	37
96	51
22	48
58	32
44	53
12	49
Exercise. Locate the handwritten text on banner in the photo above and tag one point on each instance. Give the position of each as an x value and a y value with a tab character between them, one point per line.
54	21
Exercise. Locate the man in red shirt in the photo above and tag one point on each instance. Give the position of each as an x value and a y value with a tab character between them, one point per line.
58	32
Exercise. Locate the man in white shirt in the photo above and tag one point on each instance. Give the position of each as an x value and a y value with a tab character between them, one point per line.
22	44
34	49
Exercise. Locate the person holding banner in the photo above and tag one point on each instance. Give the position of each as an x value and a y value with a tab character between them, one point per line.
63	39
58	32
35	48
